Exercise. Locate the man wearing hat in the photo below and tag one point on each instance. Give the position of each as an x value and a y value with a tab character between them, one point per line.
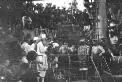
41	58
83	50
83	54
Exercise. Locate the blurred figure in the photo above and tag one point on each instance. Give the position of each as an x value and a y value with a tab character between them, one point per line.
111	15
113	39
114	45
83	53
6	75
73	49
97	52
114	50
97	49
26	21
64	49
85	19
29	51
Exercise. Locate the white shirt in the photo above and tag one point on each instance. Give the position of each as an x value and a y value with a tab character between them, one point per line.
33	46
55	45
26	47
96	48
83	50
41	49
63	49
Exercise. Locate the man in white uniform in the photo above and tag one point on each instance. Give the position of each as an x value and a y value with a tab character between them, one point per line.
41	59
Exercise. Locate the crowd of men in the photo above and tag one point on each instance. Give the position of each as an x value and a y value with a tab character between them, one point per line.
40	53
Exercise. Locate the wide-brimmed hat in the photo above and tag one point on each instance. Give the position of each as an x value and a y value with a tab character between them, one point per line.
35	38
43	36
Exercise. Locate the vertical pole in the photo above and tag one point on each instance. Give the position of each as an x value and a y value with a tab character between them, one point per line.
42	79
69	77
38	79
101	28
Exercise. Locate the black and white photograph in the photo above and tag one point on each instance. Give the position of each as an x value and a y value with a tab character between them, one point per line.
60	41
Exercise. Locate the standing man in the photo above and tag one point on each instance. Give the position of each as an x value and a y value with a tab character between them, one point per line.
96	56
83	54
6	75
41	59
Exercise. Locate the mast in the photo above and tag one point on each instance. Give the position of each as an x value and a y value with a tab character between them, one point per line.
101	24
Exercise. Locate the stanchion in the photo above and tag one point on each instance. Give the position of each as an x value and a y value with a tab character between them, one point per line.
69	76
96	69
43	79
38	78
